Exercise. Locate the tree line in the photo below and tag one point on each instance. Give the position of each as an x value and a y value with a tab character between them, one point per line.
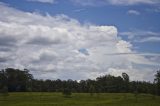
16	80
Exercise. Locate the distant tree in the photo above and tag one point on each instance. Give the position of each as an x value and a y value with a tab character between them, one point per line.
109	83
3	83
83	86
157	81
15	79
125	77
126	81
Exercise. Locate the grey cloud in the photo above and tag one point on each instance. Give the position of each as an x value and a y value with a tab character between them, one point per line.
48	56
7	41
5	49
2	60
43	41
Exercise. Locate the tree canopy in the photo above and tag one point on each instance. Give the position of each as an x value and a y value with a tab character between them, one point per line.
15	80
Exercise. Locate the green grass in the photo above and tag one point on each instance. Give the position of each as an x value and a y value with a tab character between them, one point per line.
78	99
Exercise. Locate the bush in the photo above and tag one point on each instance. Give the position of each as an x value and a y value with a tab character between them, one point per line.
4	91
67	92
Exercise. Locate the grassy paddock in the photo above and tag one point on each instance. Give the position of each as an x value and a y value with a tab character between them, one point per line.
78	99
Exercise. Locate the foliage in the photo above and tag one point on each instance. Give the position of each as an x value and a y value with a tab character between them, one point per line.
22	81
3	83
157	80
126	82
15	79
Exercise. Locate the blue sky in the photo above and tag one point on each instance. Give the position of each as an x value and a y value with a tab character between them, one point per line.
134	24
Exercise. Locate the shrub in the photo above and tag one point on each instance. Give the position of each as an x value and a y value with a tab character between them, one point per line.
67	92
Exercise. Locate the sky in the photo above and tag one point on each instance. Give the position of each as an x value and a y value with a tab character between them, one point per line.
81	39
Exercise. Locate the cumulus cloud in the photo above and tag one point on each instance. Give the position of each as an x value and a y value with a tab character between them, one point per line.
61	47
134	12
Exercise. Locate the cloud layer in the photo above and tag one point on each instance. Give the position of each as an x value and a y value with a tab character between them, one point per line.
142	36
61	47
115	2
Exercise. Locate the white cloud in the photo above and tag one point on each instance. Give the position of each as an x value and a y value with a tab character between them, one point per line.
50	46
43	1
133	2
150	39
132	73
115	2
142	36
134	12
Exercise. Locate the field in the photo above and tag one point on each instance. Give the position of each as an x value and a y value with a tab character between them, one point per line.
78	99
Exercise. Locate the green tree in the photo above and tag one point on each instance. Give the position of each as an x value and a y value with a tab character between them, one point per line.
3	83
157	81
15	79
126	81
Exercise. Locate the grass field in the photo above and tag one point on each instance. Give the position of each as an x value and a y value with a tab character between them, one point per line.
78	99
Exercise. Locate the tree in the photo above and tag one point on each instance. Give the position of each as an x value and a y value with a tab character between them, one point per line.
3	83
15	79
157	81
126	81
125	77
